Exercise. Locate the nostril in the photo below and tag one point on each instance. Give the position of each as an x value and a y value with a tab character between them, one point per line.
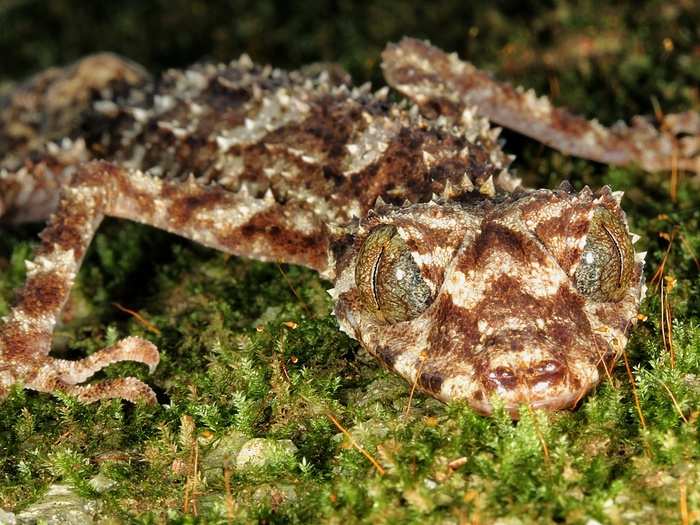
502	377
547	370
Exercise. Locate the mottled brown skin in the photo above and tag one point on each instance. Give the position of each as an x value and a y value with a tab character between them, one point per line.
471	291
442	83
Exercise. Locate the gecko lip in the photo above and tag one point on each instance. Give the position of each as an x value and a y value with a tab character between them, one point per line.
547	383
516	399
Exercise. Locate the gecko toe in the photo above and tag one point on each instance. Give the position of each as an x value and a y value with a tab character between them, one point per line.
127	388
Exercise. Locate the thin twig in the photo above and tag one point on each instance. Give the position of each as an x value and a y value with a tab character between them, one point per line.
675	403
661	119
355	444
666	319
190	495
143	321
683	501
637	404
658	275
294	291
685	242
422	359
540	435
634	390
601	358
195	475
536	425
340	427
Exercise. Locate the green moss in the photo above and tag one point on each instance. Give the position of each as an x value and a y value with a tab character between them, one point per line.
248	351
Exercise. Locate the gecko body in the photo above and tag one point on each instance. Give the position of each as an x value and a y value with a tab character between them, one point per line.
444	267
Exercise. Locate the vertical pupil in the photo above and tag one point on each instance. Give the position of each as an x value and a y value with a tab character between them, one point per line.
375	272
618	252
607	263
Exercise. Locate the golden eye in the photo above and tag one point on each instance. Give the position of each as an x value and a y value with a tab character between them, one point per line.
607	262
388	278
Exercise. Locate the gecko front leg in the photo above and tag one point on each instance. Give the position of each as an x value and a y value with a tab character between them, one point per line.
25	337
237	223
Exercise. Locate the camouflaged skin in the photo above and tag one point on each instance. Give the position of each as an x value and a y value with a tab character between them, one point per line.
299	167
443	84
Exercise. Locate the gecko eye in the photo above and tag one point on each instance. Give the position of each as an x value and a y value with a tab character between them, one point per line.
607	262
388	279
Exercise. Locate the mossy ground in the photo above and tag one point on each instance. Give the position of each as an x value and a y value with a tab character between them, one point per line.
250	347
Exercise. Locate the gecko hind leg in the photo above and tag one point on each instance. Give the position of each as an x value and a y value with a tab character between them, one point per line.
26	332
435	80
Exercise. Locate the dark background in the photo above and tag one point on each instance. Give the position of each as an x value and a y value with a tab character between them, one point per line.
603	59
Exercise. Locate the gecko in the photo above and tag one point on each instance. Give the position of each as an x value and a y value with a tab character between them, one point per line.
443	266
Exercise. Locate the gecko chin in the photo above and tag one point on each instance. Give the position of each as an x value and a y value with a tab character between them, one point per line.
515	402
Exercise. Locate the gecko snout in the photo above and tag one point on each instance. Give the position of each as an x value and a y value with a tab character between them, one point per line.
517	379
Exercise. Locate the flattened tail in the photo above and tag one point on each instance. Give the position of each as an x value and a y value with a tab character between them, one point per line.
30	193
36	158
52	104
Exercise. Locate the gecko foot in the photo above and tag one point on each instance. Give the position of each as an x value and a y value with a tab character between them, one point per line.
66	376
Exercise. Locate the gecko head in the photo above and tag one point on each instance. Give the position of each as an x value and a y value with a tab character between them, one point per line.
519	300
